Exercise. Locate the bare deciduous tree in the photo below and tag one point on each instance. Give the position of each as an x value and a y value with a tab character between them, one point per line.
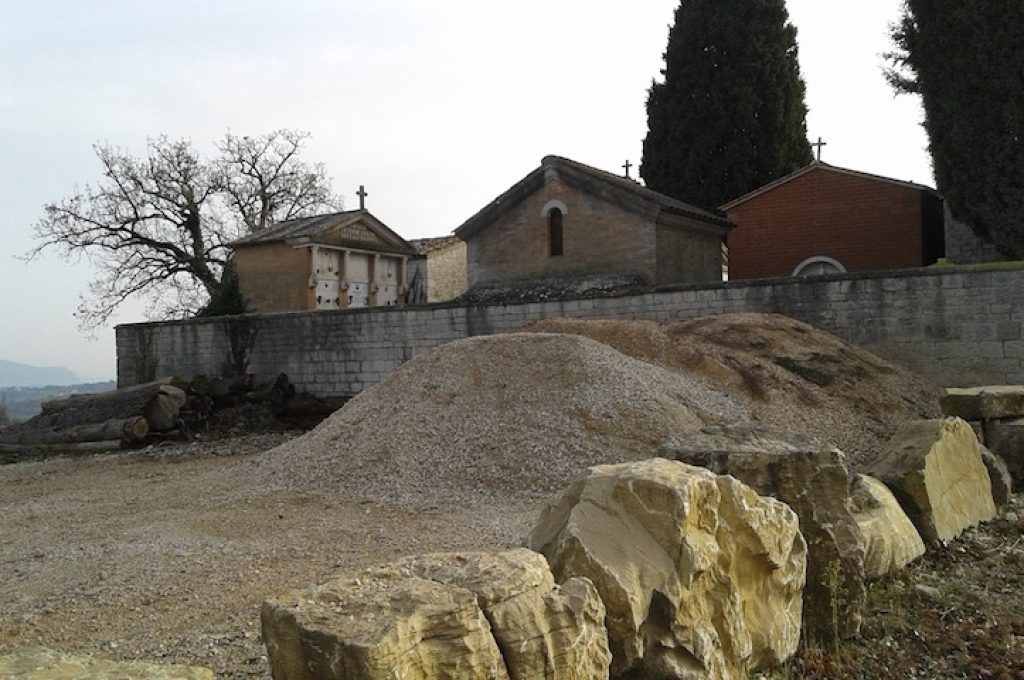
158	226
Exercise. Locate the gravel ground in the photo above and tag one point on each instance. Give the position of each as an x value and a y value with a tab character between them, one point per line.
165	555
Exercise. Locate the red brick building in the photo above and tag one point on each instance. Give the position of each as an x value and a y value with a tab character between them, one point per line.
823	219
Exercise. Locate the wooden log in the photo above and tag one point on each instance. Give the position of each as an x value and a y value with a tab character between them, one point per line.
110	445
162	410
276	391
130	430
94	408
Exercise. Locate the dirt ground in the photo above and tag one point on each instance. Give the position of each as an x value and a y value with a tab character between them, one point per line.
166	554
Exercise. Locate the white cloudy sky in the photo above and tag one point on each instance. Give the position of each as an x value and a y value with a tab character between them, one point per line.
435	106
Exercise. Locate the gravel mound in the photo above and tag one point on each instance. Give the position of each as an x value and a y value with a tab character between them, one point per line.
789	374
496	415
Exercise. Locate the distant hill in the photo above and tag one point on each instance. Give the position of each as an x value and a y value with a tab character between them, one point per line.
21	403
13	374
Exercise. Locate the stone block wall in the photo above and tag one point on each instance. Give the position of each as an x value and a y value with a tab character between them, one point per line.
597	237
958	327
446	272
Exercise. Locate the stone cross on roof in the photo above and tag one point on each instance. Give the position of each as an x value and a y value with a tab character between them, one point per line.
819	144
627	165
362	197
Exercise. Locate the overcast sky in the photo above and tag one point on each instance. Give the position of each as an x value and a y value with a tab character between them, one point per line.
436	107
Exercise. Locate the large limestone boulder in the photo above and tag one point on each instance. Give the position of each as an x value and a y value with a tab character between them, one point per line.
813	480
700	575
46	664
889	539
935	470
542	630
1006	439
999	474
462	615
984	403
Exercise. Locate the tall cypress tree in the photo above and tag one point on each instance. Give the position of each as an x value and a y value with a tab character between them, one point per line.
966	60
729	115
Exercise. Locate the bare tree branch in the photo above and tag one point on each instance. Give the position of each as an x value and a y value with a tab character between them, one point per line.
265	181
159	226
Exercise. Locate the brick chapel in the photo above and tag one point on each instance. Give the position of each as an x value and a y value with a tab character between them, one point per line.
824	219
566	219
342	260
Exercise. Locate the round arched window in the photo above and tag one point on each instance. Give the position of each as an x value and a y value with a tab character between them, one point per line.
819	265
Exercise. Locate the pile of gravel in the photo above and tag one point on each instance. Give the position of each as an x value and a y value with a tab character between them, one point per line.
790	375
512	414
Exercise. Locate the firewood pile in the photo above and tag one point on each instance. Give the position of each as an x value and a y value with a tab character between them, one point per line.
170	408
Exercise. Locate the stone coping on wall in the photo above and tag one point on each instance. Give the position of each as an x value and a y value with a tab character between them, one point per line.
934	270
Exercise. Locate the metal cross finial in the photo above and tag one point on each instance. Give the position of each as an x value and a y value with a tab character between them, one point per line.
819	144
362	197
627	165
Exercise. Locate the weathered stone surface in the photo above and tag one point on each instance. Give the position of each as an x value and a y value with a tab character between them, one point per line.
46	664
934	469
1006	439
379	624
999	473
984	403
542	630
889	539
700	575
468	615
813	480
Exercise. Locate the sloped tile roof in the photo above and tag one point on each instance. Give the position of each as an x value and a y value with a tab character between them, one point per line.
425	245
818	165
626	193
311	227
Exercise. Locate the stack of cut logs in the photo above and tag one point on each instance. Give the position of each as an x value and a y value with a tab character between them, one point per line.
159	410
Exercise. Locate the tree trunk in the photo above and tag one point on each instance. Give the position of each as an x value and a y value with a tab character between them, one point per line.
130	430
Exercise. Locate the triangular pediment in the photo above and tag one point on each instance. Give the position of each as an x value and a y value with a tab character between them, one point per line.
357	229
362	231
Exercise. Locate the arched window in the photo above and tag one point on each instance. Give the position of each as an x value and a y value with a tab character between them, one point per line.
555	232
819	265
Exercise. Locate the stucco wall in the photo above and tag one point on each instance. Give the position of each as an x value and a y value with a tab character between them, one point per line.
274	277
597	237
959	328
688	255
446	272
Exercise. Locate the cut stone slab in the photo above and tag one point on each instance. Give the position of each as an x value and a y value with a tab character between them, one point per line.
47	664
543	630
701	576
458	615
999	473
1006	439
813	480
984	403
935	470
890	541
